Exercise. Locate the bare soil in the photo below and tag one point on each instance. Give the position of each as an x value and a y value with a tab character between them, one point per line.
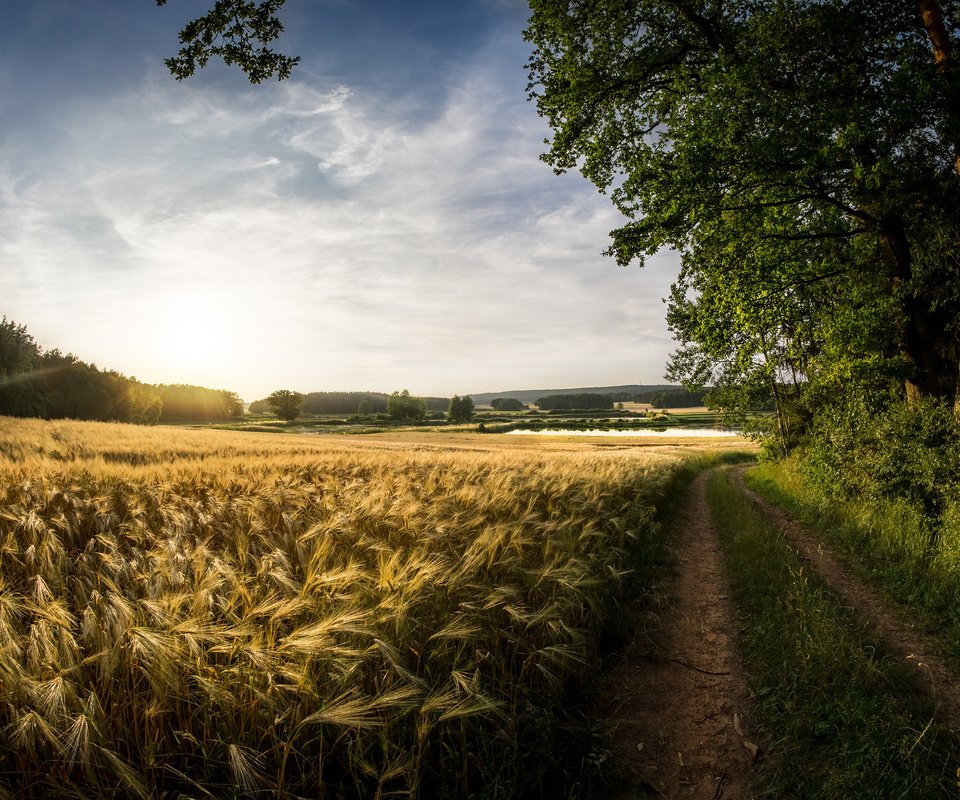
679	712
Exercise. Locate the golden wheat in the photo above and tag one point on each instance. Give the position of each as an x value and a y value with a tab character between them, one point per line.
238	614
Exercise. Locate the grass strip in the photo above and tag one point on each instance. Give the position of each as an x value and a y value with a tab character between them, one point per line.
838	718
885	543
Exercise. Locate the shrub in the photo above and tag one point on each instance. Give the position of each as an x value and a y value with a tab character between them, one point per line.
911	452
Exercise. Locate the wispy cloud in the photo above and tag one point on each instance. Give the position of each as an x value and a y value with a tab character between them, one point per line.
336	240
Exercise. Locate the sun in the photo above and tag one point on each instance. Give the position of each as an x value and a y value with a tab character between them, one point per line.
193	333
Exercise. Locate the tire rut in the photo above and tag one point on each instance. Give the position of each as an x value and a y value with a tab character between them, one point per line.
920	651
679	717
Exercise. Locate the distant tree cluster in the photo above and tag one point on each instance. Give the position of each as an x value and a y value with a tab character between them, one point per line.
344	402
574	402
672	398
460	409
437	403
51	384
54	385
403	406
285	403
507	404
259	407
363	403
183	402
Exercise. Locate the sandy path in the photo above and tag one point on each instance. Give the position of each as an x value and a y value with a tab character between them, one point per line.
901	636
680	718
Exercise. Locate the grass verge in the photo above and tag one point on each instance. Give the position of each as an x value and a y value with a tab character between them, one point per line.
884	542
839	720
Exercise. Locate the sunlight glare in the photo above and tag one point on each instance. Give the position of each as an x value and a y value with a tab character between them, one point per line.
193	333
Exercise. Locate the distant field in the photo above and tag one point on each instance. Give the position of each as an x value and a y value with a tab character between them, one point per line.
221	613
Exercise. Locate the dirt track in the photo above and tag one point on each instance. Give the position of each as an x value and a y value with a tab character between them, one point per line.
680	720
680	717
902	638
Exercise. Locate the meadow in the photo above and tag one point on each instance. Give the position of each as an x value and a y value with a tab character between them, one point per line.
220	614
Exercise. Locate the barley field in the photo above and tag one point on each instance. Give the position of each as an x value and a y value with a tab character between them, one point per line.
216	614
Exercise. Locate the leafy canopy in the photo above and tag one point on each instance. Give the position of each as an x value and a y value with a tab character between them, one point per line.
238	31
801	157
401	405
460	409
286	403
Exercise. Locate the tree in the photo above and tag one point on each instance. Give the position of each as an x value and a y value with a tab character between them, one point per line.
260	406
21	388
461	409
507	404
802	145
364	408
402	406
142	403
238	31
285	403
186	402
581	401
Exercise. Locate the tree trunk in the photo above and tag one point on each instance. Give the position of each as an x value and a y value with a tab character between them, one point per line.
932	16
924	339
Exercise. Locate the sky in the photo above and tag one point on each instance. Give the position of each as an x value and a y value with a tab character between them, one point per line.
380	220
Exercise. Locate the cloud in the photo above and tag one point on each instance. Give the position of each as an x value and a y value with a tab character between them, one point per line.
339	240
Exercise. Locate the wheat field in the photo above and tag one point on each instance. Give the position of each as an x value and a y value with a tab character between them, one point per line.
217	614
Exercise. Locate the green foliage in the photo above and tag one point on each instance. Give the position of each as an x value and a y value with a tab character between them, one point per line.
260	407
364	408
886	540
840	719
286	403
34	383
671	398
801	158
460	409
343	402
507	404
906	451
402	406
437	404
21	388
183	402
575	402
238	31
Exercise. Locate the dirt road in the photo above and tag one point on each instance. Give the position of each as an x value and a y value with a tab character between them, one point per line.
679	703
680	718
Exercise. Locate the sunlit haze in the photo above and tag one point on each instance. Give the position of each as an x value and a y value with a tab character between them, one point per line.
380	220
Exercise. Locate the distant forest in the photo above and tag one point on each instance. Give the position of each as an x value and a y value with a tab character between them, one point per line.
347	403
660	395
53	385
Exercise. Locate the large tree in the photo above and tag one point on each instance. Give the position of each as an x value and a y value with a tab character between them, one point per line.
401	405
286	403
460	409
785	149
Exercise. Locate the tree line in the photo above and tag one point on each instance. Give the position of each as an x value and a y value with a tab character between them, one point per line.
400	406
571	402
53	385
363	403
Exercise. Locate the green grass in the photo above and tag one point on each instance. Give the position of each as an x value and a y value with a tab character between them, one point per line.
837	718
885	543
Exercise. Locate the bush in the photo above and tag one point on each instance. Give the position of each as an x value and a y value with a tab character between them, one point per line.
911	452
